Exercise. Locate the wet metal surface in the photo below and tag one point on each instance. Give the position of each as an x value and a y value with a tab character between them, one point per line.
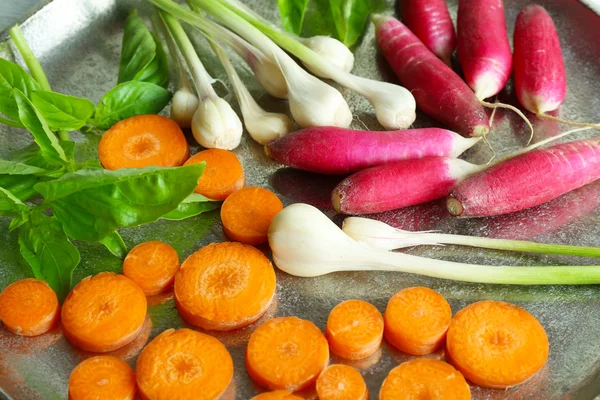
78	43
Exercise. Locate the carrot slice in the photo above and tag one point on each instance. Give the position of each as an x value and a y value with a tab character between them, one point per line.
496	344
29	307
103	312
277	395
416	320
224	286
102	377
223	174
423	378
247	214
143	141
341	382
286	353
152	266
183	364
354	329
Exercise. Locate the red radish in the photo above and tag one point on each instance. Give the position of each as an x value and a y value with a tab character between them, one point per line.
439	92
514	185
539	69
332	150
430	22
483	47
400	184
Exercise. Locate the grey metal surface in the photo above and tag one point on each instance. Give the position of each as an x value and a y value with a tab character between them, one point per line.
78	43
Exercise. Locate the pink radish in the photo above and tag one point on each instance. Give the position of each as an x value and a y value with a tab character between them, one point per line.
430	22
513	185
439	92
332	150
539	68
400	184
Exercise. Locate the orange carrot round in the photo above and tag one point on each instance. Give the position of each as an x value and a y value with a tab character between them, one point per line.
102	377
103	312
224	286
277	395
152	266
29	307
341	382
354	329
143	141
183	364
286	353
223	174
416	320
496	344
247	214
423	378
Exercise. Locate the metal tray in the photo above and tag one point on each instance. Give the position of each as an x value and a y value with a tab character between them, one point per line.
78	43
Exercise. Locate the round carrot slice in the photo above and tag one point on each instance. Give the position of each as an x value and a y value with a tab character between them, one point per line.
277	395
286	353
423	378
224	286
152	266
103	312
183	364
102	377
416	320
29	307
247	214
496	344
354	329
341	382
143	141
223	174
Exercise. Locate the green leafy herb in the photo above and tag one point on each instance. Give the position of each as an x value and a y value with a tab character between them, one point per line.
48	251
350	18
114	243
21	186
62	111
128	99
10	204
91	204
12	76
157	71
138	48
17	168
193	205
292	14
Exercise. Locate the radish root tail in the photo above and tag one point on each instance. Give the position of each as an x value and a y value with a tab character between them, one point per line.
487	142
564	121
493	112
516	110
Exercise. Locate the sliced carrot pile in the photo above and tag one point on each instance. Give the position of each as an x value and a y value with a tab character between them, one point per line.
224	286
247	214
341	382
416	320
223	174
103	312
183	364
496	344
354	329
29	307
102	377
286	353
423	378
143	141
277	395
152	266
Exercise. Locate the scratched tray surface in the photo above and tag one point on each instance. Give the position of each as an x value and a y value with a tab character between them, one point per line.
78	43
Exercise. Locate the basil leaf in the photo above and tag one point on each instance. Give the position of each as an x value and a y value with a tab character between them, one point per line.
10	204
35	123
128	99
12	76
292	14
193	205
157	71
138	48
91	204
48	251
350	18
21	186
32	155
17	168
114	243
61	111
8	107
